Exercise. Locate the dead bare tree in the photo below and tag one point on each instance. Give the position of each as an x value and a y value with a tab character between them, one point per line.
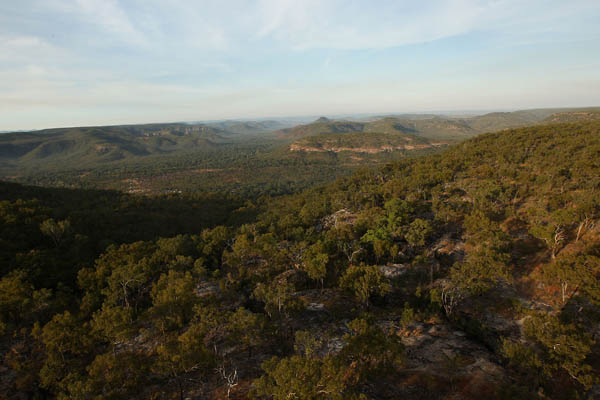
450	299
585	225
350	250
230	378
559	237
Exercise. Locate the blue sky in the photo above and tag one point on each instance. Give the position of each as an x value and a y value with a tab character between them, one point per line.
94	62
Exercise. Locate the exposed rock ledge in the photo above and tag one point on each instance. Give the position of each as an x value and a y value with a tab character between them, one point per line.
370	150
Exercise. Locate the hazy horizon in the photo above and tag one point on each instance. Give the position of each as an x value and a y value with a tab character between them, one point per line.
301	119
110	62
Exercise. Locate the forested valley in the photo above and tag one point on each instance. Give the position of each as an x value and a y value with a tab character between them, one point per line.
248	159
466	273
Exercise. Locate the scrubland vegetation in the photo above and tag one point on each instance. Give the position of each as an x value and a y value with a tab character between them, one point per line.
470	272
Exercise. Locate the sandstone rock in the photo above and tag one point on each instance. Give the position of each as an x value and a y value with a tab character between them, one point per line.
393	271
206	289
315	307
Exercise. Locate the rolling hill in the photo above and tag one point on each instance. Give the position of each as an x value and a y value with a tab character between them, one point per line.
497	121
249	127
88	146
380	135
320	127
574	116
439	127
436	128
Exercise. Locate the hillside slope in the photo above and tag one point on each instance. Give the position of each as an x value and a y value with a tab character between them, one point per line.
319	127
85	147
385	134
470	273
426	127
249	127
574	116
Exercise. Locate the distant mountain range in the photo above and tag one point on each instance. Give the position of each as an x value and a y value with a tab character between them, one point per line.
432	130
87	147
250	127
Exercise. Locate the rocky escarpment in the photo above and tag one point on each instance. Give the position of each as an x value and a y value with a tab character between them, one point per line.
361	149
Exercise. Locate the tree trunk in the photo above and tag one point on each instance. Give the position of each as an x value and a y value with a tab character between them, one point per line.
579	229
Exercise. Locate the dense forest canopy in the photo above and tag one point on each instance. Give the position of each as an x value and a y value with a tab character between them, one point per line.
470	272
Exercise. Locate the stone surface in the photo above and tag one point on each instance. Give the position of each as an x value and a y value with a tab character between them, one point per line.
315	307
393	271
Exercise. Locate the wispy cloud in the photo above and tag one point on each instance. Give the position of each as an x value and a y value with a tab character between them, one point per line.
327	24
222	58
108	16
349	25
19	49
338	24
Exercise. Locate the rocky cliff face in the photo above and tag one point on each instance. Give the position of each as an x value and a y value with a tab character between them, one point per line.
370	150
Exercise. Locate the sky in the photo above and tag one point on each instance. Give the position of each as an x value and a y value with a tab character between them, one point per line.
102	62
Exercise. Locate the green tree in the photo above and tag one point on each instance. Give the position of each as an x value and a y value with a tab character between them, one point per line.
301	378
574	274
418	232
307	344
114	324
68	348
315	262
173	299
278	298
364	281
118	375
563	347
246	328
550	227
398	215
524	359
381	241
369	352
19	301
183	354
55	230
482	270
587	207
